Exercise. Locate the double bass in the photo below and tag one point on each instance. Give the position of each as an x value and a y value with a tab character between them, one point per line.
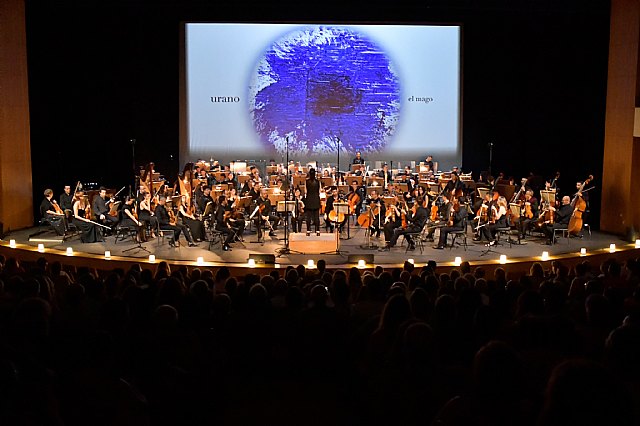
579	206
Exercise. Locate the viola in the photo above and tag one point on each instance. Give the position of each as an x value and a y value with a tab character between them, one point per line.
56	207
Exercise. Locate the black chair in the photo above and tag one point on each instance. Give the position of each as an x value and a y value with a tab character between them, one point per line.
563	231
121	232
459	234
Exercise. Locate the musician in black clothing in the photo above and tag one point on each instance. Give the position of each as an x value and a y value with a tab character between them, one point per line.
66	199
385	174
101	209
378	212
230	180
457	214
358	159
429	162
561	218
393	219
204	200
455	186
230	227
331	199
312	201
297	216
525	222
164	221
48	212
264	214
417	217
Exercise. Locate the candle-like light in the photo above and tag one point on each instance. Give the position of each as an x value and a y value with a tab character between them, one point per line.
583	251
277	266
251	263
612	248
503	259
152	258
310	263
361	263
411	261
545	255
41	248
637	243
457	261
107	254
12	243
69	251
200	261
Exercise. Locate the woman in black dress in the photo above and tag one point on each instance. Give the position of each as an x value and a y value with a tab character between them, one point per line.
130	220
91	232
146	216
195	226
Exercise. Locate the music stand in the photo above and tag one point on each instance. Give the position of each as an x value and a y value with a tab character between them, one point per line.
339	207
370	245
286	207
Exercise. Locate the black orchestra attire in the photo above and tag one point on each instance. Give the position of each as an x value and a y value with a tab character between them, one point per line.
163	220
91	233
100	208
561	219
328	208
358	160
202	203
456	187
416	223
296	222
525	222
57	222
386	175
391	225
377	221
312	204
458	225
66	201
147	218
265	206
229	229
196	227
489	231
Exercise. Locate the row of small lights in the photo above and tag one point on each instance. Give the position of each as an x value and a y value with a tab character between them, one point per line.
311	264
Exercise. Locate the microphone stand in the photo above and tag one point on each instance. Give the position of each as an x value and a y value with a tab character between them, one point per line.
490	156
286	250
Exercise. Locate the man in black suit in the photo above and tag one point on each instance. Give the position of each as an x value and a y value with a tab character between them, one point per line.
561	218
458	213
101	209
417	217
164	222
231	228
263	214
312	201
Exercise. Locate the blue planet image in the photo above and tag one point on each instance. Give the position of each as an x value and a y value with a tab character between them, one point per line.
322	87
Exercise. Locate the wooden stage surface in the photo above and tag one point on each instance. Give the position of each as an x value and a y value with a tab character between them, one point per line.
597	245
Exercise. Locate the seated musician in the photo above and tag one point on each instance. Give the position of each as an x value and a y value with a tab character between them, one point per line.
456	215
332	198
361	171
455	186
561	217
231	227
66	199
385	174
376	204
439	218
230	180
393	219
146	216
358	159
186	212
483	211
264	215
530	203
164	221
498	219
354	190
91	232
416	217
204	200
101	209
129	219
51	212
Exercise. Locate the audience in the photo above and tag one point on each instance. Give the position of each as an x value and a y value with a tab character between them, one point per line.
404	346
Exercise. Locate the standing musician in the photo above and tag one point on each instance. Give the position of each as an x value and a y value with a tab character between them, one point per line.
91	232
299	211
225	223
195	226
457	214
312	201
101	209
146	216
530	212
51	212
164	221
429	163
66	199
130	220
417	217
376	204
264	214
393	219
561	215
358	159
498	219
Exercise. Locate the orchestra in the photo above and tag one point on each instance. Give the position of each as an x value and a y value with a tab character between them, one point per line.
401	201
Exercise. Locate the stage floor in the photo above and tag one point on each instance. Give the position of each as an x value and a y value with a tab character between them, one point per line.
530	248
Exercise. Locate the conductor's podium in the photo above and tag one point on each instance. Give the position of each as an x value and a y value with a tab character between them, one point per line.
312	244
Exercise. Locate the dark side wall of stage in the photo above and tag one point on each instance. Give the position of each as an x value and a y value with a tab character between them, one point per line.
103	73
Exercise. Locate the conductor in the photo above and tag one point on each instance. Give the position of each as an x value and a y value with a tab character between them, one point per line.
312	205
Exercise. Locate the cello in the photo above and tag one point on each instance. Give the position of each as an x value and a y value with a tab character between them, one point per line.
579	206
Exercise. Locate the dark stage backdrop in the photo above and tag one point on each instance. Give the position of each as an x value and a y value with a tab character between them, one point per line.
533	82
